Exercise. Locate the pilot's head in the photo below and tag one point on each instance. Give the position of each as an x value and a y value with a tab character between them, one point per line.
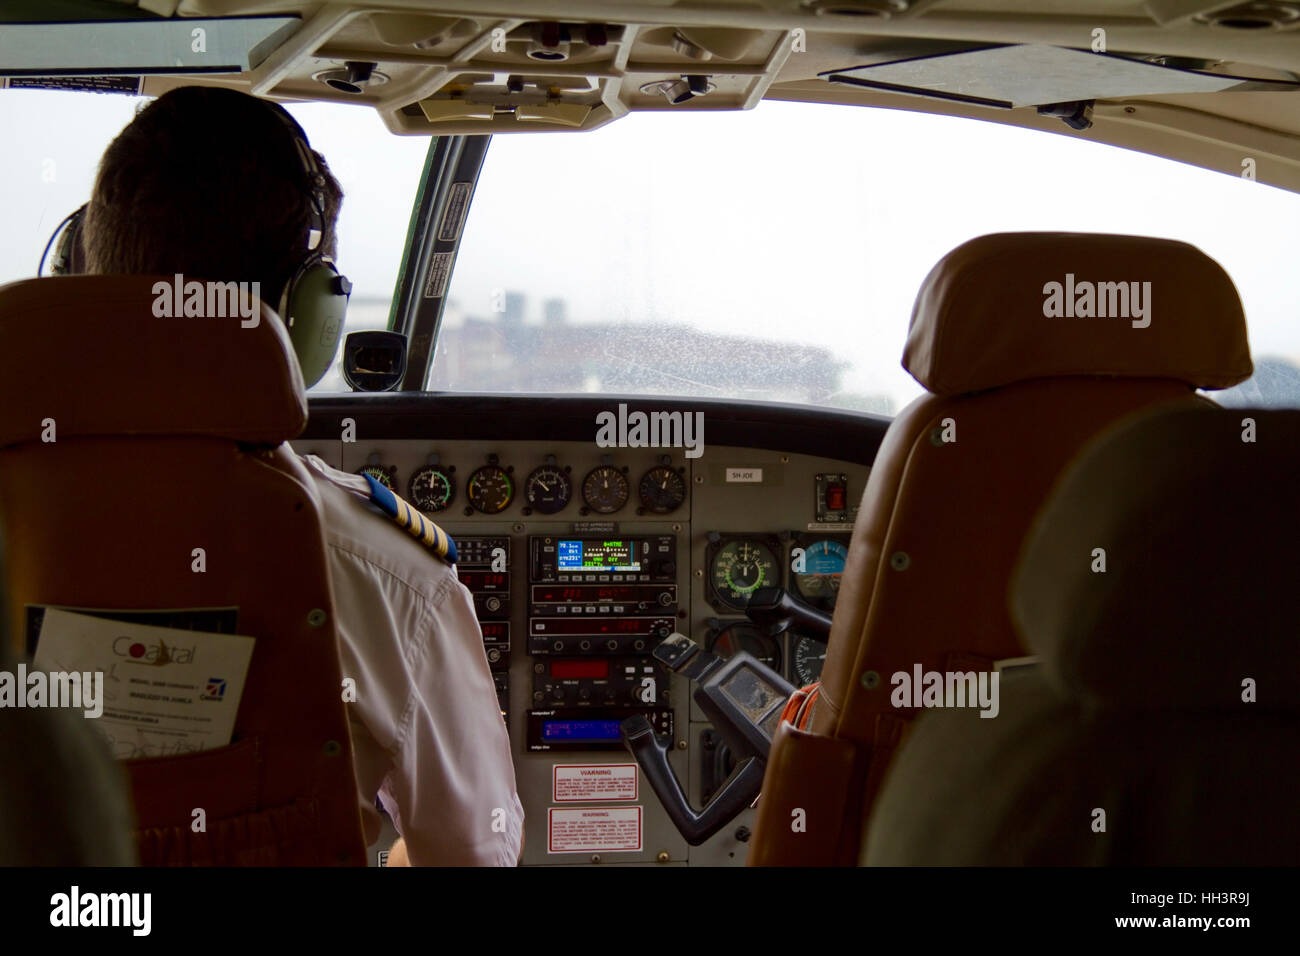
207	182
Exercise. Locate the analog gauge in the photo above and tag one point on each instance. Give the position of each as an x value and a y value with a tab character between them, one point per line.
548	489
808	656
431	489
746	637
662	490
490	489
822	569
740	568
605	489
381	474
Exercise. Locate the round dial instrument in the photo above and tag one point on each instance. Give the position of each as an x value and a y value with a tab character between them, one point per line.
808	656
490	489
662	490
431	489
381	474
740	568
548	489
742	636
823	567
605	489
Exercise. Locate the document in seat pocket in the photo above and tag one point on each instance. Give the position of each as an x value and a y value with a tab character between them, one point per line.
164	691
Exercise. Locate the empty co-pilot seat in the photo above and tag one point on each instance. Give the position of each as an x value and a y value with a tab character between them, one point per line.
127	443
1163	723
1029	344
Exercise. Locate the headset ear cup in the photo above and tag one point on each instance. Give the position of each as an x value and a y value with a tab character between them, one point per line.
314	306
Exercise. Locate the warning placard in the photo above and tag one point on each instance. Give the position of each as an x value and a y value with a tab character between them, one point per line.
588	782
584	829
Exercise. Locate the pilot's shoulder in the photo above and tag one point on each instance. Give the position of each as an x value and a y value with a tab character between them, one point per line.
376	511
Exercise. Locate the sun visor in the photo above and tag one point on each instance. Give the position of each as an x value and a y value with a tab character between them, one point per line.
138	46
1036	74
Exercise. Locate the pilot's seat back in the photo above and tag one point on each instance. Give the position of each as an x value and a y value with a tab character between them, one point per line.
1029	344
143	467
1161	726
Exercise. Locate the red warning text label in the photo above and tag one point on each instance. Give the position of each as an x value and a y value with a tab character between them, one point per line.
584	829
588	782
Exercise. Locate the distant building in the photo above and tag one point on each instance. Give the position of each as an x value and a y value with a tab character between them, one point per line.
488	355
515	307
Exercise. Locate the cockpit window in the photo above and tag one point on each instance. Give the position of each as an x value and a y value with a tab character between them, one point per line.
775	254
380	175
54	139
52	144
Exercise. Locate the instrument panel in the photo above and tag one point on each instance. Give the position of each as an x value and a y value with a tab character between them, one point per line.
581	560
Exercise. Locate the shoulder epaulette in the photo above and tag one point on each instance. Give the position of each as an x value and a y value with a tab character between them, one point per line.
409	518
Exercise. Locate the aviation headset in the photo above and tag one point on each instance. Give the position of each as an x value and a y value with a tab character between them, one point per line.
315	299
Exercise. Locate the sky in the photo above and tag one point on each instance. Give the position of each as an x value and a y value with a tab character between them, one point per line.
799	223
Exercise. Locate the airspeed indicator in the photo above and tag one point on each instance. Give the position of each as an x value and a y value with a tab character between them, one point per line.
740	568
431	489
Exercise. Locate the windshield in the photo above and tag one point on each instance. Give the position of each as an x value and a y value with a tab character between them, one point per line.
55	140
776	253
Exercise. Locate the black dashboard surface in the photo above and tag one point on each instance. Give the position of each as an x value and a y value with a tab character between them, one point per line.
807	430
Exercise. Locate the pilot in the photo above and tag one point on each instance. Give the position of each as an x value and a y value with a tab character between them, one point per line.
208	183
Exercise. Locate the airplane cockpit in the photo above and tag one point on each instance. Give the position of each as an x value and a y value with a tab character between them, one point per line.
788	433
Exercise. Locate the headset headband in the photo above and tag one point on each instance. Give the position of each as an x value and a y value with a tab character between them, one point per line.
64	241
313	178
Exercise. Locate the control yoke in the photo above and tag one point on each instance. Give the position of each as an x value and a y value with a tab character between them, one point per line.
744	699
776	610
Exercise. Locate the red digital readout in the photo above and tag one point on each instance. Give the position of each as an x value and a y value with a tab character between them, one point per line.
573	670
495	629
486	580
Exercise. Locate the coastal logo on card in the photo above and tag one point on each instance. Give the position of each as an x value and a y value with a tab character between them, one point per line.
137	652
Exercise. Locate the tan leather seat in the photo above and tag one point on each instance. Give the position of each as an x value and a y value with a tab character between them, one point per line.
1138	717
169	436
1015	392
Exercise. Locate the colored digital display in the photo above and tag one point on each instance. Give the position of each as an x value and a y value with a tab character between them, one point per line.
495	630
595	555
580	731
577	670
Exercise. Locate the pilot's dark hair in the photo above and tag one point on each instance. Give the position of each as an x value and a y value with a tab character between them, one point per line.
206	181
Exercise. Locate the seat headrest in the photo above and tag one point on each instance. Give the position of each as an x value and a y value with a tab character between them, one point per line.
1015	306
90	353
1200	530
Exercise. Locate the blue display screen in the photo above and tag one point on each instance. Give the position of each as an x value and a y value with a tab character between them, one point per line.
579	555
580	730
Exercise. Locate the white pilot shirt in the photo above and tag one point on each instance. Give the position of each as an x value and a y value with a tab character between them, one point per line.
427	733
